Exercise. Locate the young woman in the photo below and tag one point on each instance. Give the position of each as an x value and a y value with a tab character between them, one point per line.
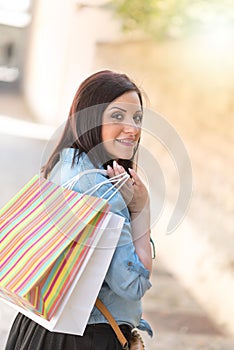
103	132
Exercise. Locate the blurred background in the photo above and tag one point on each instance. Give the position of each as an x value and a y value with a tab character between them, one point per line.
181	53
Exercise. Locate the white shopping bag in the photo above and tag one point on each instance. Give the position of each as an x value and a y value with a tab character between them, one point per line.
74	311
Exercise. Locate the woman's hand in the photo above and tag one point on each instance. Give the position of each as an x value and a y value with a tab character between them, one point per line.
133	191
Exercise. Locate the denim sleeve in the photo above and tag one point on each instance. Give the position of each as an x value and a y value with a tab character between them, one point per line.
126	276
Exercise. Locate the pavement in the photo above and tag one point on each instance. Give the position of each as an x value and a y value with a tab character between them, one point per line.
178	321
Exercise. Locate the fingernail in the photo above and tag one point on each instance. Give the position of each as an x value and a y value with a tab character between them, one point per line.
114	163
108	167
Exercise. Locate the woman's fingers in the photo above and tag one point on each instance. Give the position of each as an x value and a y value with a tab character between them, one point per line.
126	190
118	168
135	178
110	171
135	196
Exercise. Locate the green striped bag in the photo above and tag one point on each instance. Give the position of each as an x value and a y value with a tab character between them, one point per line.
46	233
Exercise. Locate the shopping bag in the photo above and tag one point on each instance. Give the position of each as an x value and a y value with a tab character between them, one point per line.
74	310
46	235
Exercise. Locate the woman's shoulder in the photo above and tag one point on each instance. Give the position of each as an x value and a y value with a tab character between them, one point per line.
76	160
79	166
70	165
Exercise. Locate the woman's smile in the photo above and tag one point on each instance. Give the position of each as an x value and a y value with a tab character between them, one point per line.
126	142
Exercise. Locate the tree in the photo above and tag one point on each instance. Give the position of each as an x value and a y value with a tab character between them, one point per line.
162	19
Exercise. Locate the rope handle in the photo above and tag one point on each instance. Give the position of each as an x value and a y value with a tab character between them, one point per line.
119	180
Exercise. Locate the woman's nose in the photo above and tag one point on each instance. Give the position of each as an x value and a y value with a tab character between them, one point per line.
131	127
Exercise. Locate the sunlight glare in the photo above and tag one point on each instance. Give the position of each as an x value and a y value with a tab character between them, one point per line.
219	38
15	5
23	128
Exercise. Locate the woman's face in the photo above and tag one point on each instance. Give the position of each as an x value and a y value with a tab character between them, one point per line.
121	127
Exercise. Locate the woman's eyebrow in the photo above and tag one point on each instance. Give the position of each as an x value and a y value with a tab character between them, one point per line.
122	109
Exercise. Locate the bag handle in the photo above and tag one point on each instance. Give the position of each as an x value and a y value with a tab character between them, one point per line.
118	180
71	182
102	308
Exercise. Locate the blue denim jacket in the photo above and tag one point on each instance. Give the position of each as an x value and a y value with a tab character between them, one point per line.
127	279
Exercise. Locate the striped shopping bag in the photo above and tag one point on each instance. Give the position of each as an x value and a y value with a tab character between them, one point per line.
46	233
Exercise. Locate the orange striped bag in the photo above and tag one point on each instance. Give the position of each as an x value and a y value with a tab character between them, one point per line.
46	233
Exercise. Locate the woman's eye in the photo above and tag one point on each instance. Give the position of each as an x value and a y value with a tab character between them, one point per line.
117	116
138	118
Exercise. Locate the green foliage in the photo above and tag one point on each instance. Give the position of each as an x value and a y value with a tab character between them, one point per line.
172	18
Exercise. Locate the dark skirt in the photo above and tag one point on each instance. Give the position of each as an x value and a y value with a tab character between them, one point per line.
25	334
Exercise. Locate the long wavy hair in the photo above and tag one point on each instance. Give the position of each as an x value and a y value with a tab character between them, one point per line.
83	129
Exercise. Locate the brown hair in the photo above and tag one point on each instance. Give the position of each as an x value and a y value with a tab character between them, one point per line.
83	127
